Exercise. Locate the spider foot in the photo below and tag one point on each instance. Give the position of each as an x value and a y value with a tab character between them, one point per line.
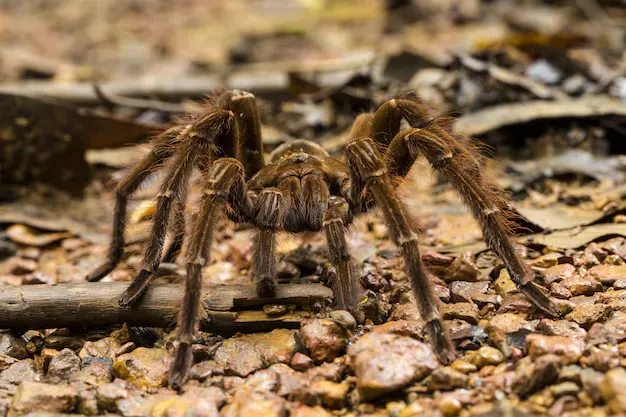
136	289
444	349
180	366
540	299
266	288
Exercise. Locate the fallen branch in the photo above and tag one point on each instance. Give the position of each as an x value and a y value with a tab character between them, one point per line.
95	304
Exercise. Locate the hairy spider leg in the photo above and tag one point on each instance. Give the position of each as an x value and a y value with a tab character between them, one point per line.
268	213
224	184
367	164
164	146
243	105
212	130
346	288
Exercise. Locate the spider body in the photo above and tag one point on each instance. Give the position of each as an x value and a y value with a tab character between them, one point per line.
303	189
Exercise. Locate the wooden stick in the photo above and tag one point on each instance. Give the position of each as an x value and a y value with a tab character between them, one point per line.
95	304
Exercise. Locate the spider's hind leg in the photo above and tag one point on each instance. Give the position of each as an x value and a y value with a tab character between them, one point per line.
164	147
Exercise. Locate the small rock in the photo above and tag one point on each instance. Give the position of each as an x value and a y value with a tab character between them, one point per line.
547	260
306	411
103	348
6	361
245	354
582	285
463	291
64	364
501	324
274	310
588	315
450	407
386	362
37	396
94	374
324	338
329	394
565	388
463	366
24	370
531	377
558	273
205	369
344	319
613	389
613	260
568	348
198	401
486	355
607	274
560	328
410	328
446	379
301	362
34	341
13	346
144	367
107	395
462	311
503	284
462	268
255	405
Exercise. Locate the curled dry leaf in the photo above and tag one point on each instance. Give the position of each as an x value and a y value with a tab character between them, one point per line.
25	235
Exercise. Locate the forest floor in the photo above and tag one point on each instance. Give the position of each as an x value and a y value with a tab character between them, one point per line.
541	88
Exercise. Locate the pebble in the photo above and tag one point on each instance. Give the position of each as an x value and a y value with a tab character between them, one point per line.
613	389
107	395
24	370
386	362
503	284
589	314
607	274
560	328
301	362
144	367
586	285
306	411
501	324
12	345
197	401
462	311
570	349
255	405
37	396
532	376
274	310
463	366
245	354
324	339
328	393
463	291
484	356
446	379
344	319
450	407
103	348
558	273
64	364
462	268
547	260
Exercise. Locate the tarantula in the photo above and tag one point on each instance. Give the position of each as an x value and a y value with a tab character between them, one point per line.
302	188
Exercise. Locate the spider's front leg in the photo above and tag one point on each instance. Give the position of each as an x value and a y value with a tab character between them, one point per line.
368	169
215	127
224	184
453	161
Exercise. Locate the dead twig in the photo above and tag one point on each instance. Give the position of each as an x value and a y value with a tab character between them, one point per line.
95	304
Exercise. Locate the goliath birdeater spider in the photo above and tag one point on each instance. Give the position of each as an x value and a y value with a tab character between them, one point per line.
301	188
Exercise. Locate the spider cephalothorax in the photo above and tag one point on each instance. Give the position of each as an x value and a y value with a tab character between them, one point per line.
302	188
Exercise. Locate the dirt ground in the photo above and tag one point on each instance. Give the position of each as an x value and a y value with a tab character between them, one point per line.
540	87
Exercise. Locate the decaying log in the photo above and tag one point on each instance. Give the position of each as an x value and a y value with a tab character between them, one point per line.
95	304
